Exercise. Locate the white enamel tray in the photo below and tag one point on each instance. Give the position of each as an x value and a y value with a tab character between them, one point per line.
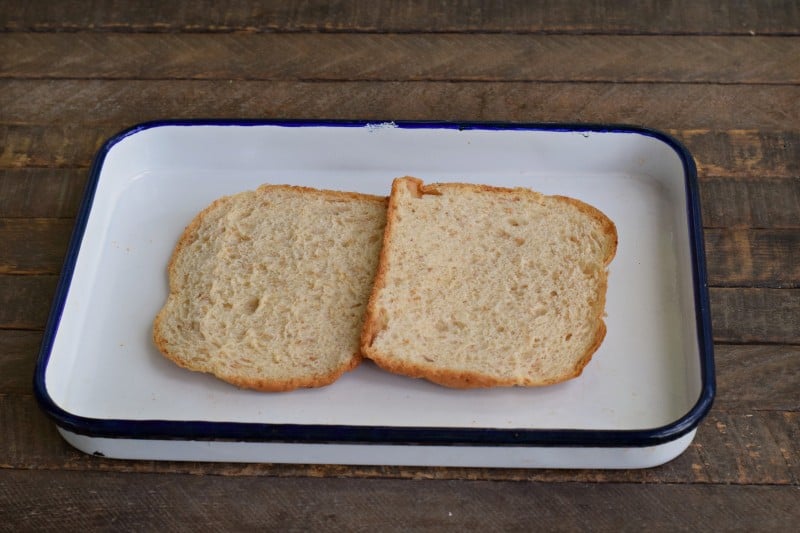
636	405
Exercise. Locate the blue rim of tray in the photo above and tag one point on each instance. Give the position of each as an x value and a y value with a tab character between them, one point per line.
346	434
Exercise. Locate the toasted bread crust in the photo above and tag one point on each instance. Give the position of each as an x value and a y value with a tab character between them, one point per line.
462	379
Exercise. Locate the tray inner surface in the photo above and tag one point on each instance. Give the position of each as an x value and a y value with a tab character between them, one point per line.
645	375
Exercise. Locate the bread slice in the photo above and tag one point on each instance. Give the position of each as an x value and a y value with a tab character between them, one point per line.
268	288
480	286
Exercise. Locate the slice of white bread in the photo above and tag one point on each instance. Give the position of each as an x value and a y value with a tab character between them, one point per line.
268	288
480	286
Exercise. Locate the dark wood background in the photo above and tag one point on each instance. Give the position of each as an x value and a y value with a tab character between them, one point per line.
724	77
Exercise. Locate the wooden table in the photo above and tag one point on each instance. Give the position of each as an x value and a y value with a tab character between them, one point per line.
723	78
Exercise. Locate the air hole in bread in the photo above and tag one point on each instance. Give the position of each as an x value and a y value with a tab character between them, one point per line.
252	305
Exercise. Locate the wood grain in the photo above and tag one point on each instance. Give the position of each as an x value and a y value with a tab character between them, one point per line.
781	17
722	77
18	353
401	57
745	153
25	301
756	315
662	105
750	202
757	377
761	377
741	154
743	447
735	257
785	432
41	192
52	145
739	315
748	179
753	258
77	500
33	245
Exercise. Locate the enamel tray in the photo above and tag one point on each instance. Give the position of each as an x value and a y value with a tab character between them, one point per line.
637	404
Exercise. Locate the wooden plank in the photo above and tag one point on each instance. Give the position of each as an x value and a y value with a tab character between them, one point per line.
401	57
18	352
750	203
739	315
739	203
41	192
735	258
740	449
143	502
665	106
760	377
52	145
604	16
753	258
757	377
756	315
785	432
33	245
736	447
25	301
745	153
25	424
741	154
